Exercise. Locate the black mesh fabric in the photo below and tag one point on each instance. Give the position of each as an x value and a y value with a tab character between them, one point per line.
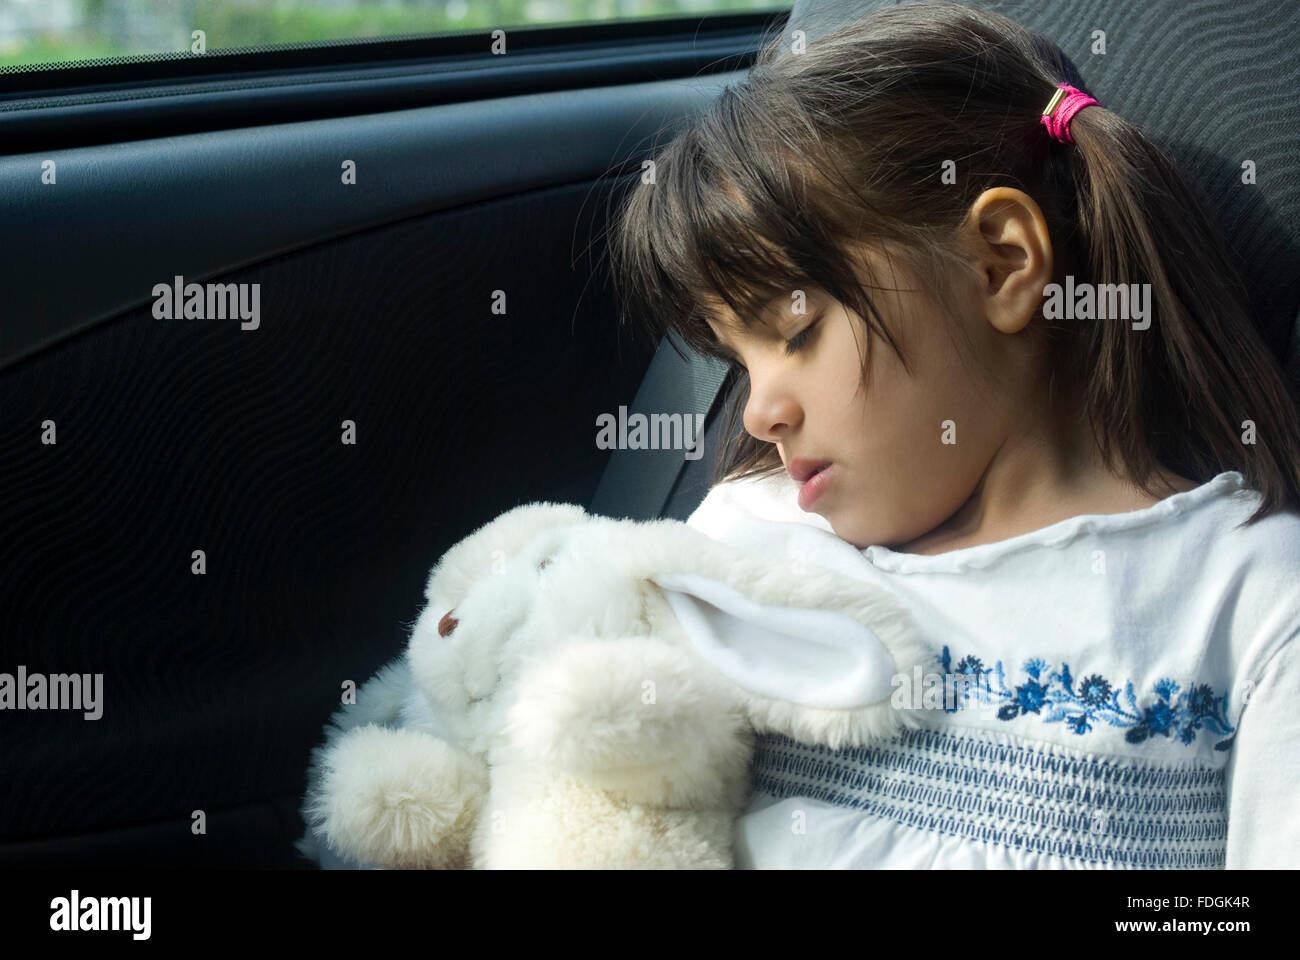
183	435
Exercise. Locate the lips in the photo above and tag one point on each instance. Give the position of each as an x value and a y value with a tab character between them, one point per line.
814	487
801	469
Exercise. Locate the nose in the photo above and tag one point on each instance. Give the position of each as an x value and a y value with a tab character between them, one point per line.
771	412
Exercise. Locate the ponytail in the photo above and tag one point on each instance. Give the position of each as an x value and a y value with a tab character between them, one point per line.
1197	389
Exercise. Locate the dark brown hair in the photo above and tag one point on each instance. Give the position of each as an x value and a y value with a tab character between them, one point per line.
844	143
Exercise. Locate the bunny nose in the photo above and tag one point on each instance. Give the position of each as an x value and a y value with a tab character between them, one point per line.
447	624
542	565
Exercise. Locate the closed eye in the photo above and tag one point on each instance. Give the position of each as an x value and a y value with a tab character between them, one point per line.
792	346
800	339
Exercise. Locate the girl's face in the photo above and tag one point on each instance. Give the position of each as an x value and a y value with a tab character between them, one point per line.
906	451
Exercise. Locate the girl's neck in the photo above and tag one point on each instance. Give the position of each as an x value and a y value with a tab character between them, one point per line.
1039	477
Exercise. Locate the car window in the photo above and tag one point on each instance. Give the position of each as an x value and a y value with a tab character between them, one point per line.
47	33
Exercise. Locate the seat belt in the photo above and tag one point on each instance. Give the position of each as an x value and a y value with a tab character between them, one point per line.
637	482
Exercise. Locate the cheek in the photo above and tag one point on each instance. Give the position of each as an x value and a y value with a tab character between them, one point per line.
898	414
931	416
839	382
920	447
893	427
837	377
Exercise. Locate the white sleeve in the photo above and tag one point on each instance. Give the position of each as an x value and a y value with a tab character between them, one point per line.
1263	772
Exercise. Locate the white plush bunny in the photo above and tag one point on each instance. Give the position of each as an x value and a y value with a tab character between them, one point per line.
584	692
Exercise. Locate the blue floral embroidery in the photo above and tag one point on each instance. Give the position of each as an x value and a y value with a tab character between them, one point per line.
1054	696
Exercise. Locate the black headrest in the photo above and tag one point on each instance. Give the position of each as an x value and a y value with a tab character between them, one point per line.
1214	84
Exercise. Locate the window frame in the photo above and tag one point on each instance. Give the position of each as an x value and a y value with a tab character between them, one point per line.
69	105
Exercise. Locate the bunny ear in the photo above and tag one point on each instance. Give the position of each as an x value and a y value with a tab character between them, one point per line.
809	657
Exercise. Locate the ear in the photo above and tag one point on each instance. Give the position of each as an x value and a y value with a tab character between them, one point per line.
811	657
1007	238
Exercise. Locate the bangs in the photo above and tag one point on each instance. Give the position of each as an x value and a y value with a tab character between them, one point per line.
754	200
724	230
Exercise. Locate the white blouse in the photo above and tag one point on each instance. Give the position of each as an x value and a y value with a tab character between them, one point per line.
1130	696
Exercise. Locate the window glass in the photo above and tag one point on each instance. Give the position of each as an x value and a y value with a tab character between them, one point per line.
52	32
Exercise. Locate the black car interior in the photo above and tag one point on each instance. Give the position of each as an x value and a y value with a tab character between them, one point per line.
477	185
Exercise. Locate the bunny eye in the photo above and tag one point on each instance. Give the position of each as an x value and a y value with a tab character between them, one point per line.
447	624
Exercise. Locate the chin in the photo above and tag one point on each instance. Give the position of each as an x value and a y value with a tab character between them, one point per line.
875	531
860	535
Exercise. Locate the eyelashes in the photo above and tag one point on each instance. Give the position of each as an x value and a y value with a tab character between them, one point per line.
800	339
795	344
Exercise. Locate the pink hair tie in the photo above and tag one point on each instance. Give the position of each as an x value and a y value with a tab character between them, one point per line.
1065	103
